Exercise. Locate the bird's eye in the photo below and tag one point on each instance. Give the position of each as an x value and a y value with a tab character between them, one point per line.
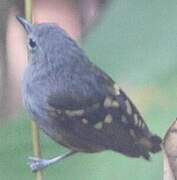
32	43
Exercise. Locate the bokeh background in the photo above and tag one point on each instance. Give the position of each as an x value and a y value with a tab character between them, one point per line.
135	42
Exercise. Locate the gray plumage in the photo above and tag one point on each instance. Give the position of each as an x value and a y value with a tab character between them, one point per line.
75	102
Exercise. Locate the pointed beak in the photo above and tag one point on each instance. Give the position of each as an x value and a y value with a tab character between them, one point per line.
26	24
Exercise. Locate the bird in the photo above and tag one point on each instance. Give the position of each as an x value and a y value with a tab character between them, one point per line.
76	103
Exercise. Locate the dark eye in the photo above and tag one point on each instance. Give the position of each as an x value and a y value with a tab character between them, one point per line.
32	43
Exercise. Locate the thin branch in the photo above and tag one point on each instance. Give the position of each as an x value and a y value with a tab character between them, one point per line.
35	130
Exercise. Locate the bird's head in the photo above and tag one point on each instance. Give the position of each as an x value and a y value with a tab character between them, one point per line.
45	40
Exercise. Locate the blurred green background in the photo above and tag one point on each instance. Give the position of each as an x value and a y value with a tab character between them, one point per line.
136	43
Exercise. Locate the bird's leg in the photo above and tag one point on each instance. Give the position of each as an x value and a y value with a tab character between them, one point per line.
37	164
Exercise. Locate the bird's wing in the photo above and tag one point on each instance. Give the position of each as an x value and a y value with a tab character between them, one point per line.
102	112
89	87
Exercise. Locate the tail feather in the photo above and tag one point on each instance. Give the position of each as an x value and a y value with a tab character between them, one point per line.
156	143
151	144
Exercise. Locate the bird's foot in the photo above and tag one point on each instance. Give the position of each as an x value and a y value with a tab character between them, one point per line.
37	164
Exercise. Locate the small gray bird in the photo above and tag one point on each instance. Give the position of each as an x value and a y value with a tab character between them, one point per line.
75	102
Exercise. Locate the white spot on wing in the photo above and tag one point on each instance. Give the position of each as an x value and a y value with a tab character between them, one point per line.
107	102
108	119
132	133
139	122
115	104
98	125
128	106
117	89
143	125
84	121
135	119
73	113
123	119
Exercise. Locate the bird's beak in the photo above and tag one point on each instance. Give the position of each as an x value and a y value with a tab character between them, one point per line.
26	24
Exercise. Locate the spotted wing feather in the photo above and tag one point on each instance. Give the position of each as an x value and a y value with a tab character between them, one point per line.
109	120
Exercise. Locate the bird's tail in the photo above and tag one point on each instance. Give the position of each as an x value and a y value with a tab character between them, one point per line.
155	143
151	144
